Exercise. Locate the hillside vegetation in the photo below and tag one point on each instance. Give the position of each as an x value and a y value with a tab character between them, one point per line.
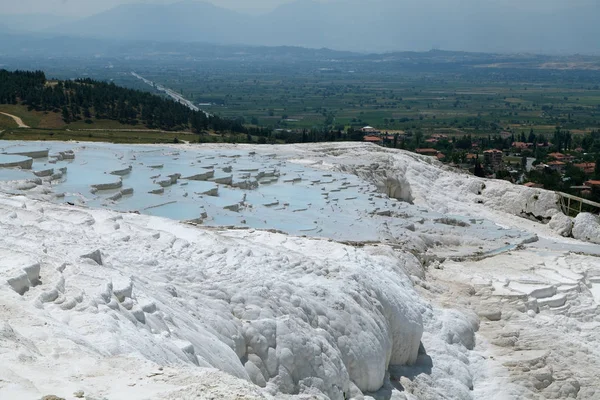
85	102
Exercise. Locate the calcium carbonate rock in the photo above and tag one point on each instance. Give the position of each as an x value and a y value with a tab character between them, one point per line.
95	256
587	227
108	186
490	314
19	283
293	315
44	173
122	172
202	176
561	224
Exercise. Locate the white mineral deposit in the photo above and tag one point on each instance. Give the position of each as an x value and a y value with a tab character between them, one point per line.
339	271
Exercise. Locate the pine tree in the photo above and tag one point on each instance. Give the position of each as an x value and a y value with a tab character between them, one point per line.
479	170
108	101
65	114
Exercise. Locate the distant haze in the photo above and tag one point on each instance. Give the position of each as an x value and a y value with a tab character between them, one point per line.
80	8
537	26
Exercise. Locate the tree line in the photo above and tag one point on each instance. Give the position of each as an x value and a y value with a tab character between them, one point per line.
86	99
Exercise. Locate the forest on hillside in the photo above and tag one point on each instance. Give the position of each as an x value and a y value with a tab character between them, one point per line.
87	99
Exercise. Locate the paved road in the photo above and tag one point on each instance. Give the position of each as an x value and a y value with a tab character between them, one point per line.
174	95
18	120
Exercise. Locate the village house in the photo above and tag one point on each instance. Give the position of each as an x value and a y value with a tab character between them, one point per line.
521	145
427	152
592	184
493	158
370	130
560	157
534	185
558	166
587	168
373	139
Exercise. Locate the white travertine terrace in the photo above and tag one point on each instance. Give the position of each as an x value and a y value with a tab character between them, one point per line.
15	161
108	186
122	172
27	152
338	271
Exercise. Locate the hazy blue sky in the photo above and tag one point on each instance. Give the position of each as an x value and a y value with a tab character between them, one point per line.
88	7
540	26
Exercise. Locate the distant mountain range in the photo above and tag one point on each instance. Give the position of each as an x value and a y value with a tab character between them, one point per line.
33	48
376	26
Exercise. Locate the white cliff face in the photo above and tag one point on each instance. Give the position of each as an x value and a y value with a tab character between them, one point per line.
426	181
538	303
461	295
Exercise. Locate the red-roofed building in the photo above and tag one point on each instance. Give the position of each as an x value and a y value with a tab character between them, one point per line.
560	157
521	145
440	156
427	152
493	158
372	139
592	183
588	167
557	166
471	157
534	185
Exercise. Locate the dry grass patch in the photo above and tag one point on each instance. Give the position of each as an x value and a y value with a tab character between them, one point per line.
31	118
51	120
